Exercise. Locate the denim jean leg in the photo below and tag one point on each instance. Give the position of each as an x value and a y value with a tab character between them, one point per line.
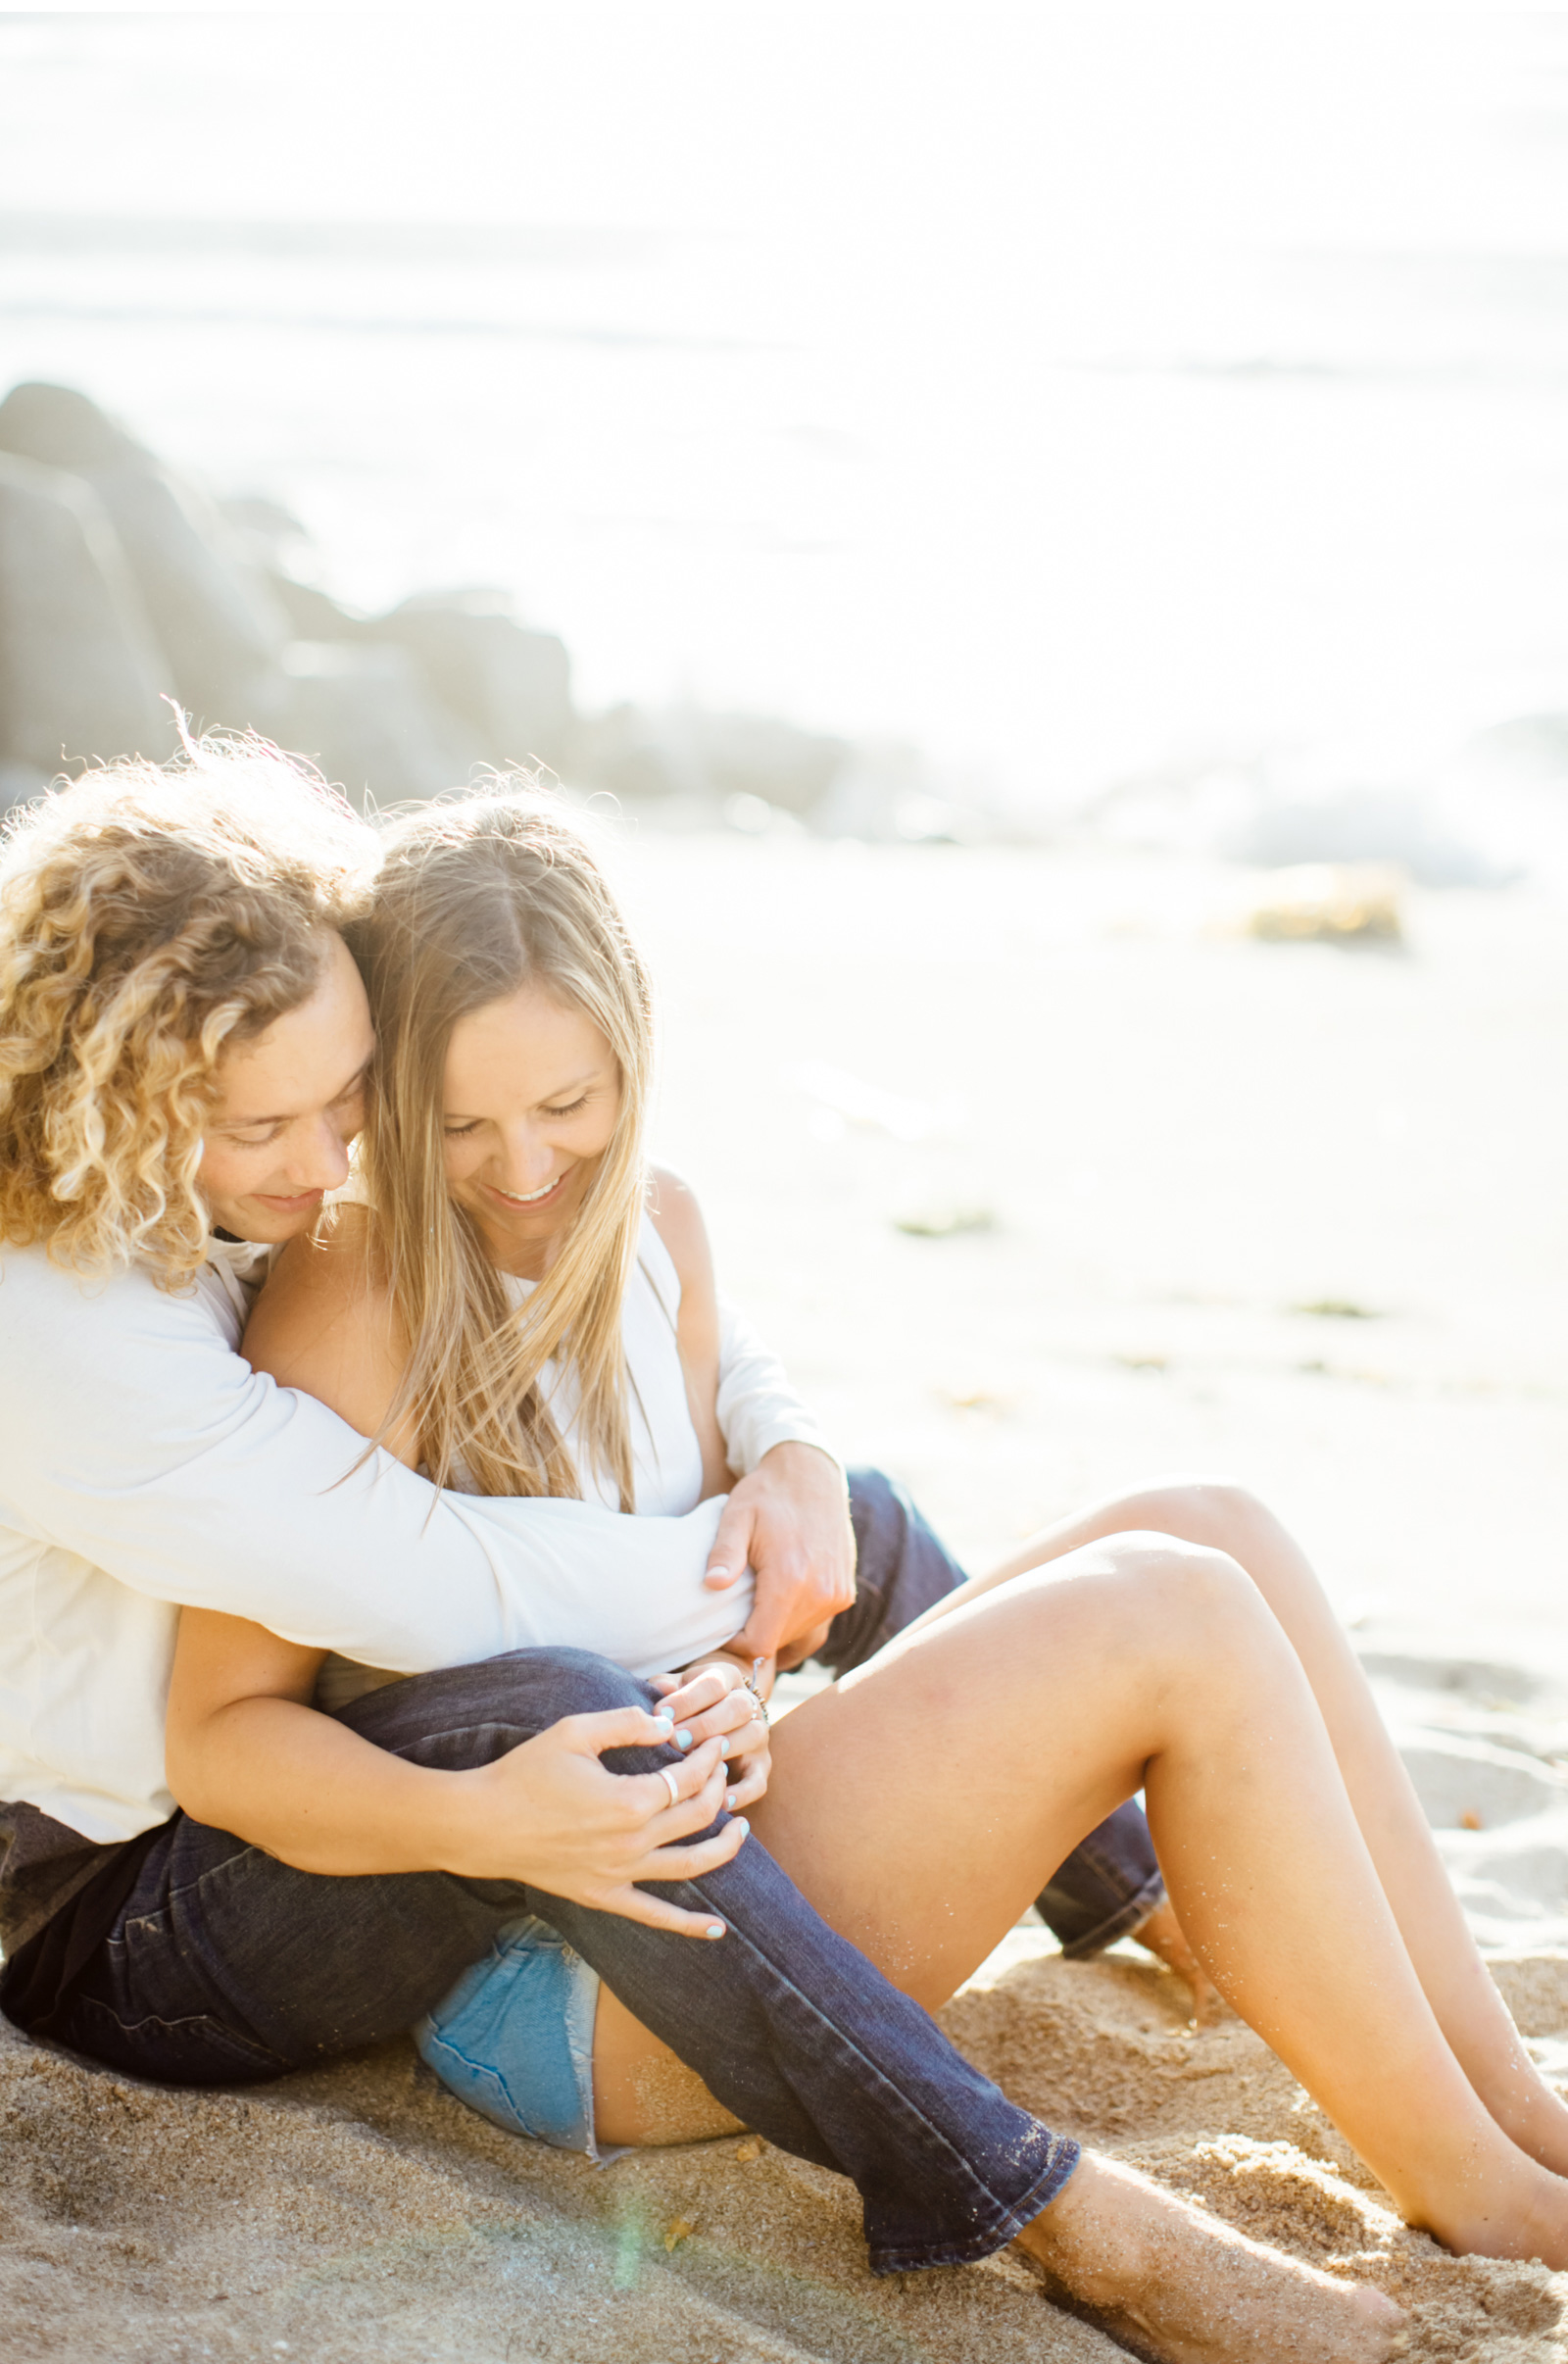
1112	1881
789	2026
227	1964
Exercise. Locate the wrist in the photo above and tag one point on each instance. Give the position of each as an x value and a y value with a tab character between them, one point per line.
799	1451
462	1822
744	1663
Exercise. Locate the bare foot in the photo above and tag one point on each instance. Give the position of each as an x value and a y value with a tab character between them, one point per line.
1183	2289
1163	1936
1534	2117
1521	2211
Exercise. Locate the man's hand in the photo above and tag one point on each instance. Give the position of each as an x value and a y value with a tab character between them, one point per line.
790	1520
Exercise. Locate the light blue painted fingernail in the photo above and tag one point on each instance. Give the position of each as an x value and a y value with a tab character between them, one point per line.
715	1929
659	1717
683	1739
730	1796
740	1823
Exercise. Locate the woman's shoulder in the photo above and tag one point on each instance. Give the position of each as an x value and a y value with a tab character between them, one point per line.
676	1221
326	1321
326	1276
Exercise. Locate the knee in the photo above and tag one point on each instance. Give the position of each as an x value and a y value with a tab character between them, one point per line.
563	1682
1187	1594
1215	1511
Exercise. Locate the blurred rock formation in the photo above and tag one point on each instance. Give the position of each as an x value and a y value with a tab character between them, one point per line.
124	586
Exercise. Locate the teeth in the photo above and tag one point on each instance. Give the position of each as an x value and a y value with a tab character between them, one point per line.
531	1195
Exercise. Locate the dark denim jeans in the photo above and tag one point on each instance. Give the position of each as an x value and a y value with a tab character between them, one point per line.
226	1966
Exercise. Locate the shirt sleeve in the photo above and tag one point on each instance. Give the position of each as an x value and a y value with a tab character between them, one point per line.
758	1408
133	1436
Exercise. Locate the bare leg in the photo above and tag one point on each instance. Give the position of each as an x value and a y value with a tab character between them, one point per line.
979	1748
643	2093
1199	1690
1469	2009
1109	2240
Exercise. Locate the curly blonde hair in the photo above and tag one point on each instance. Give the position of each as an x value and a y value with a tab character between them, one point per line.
150	917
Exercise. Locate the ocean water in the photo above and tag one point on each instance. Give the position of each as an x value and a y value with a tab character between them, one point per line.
1162	415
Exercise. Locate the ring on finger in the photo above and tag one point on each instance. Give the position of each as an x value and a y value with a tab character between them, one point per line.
667	1774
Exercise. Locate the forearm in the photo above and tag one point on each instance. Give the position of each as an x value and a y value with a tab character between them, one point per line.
304	1788
131	1436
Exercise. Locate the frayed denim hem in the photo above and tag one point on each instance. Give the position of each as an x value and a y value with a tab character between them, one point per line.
1065	2157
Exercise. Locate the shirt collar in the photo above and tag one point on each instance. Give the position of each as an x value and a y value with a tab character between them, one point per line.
245	1259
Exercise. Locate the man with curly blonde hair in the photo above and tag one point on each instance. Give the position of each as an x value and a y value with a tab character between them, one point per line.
184	1044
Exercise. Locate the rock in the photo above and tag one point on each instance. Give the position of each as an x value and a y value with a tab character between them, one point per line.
275	543
716	759
60	428
756	755
222	629
359	713
314	614
510	685
628	752
221	625
80	670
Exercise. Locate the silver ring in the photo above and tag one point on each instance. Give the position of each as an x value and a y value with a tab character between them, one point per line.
667	1773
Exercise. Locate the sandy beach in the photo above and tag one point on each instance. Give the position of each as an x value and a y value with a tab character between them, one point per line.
1046	1178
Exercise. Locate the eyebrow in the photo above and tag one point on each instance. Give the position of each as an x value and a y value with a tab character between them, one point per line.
560	1093
248	1124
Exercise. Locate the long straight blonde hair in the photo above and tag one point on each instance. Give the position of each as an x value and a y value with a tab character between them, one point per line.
476	899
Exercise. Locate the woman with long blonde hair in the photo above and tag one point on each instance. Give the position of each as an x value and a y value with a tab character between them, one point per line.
184	1041
1174	1640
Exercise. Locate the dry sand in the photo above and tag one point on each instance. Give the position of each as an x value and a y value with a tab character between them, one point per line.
1182	1140
362	2213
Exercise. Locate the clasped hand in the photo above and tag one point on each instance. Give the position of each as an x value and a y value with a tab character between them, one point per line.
551	1814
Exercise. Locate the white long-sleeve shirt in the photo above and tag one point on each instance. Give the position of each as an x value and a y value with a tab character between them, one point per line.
144	1464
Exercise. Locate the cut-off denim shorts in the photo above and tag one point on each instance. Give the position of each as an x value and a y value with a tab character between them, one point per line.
515	2037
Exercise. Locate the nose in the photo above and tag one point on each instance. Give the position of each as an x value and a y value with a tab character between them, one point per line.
528	1162
322	1162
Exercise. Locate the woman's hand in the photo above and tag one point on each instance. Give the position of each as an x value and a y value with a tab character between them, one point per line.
548	1812
714	1699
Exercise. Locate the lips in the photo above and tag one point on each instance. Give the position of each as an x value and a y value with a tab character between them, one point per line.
524	1206
305	1197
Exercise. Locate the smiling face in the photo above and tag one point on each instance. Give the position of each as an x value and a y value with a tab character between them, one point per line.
531	1098
289	1103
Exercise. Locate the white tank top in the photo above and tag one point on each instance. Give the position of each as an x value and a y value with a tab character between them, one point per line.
666	1451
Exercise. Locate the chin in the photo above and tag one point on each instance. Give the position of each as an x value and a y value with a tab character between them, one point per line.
262	1228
